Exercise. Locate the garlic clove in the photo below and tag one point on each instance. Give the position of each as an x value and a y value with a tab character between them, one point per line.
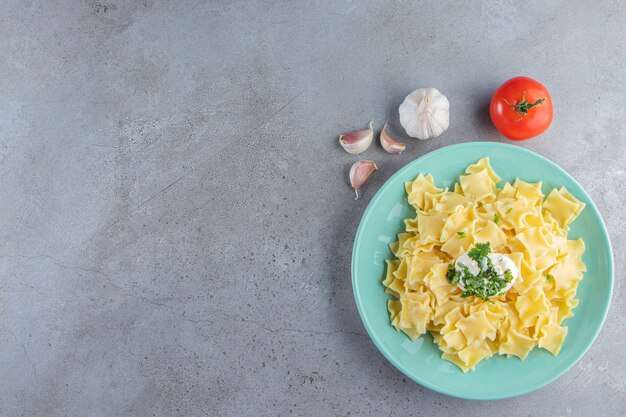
360	173
358	141
425	113
389	144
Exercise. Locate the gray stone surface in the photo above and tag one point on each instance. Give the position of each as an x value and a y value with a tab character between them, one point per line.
175	222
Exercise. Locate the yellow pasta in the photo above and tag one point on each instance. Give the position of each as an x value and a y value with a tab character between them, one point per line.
516	220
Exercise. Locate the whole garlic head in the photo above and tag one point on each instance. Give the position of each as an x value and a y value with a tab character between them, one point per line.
425	113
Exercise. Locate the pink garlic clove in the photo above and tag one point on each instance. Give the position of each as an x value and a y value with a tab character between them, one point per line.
389	144
360	173
358	141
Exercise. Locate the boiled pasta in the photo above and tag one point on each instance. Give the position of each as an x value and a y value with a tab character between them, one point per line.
515	220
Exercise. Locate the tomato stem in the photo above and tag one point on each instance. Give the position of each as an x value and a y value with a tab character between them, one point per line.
523	106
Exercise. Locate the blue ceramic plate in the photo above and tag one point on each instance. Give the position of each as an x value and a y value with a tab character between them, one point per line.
497	377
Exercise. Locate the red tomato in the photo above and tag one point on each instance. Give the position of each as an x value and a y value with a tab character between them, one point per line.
521	108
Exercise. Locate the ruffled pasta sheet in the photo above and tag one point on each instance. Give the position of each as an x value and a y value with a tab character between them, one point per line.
517	220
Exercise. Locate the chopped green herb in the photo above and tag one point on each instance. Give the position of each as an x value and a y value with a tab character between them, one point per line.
461	234
548	277
479	251
453	275
496	218
487	283
508	276
510	209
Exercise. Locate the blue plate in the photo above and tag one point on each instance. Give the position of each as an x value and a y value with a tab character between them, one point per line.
497	377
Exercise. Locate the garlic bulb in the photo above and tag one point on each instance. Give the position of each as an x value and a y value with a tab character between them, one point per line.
425	113
389	144
360	173
358	141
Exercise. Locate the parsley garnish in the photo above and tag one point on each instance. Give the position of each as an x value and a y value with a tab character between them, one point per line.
496	218
461	234
510	209
479	251
508	276
453	275
487	283
548	277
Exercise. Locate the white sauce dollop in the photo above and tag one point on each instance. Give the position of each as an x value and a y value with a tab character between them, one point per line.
501	263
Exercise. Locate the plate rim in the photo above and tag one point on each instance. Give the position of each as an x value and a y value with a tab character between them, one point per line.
416	378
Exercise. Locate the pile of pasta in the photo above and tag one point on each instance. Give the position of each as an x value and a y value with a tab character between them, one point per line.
516	220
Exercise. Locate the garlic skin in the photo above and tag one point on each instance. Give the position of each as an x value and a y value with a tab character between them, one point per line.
425	113
389	144
360	173
358	141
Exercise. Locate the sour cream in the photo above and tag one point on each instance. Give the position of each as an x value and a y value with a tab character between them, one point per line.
501	264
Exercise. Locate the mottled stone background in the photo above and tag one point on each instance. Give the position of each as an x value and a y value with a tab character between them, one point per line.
175	222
